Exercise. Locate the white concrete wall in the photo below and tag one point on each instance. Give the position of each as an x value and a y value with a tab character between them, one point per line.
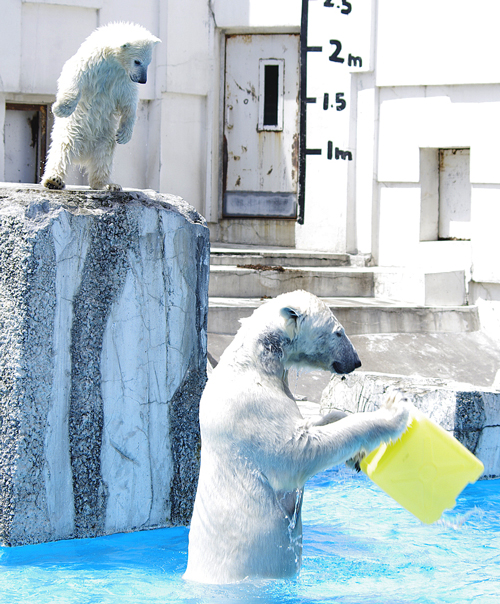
438	87
429	43
278	15
429	81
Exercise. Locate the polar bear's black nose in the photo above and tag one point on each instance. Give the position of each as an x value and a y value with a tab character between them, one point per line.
347	366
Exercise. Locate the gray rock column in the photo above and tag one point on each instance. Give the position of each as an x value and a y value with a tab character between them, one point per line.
103	314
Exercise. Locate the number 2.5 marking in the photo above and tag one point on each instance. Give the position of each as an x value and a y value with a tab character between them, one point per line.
345	11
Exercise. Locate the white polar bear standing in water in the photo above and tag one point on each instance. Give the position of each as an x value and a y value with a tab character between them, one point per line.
96	103
257	450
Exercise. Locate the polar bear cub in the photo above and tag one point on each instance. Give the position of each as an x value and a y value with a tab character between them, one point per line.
96	103
258	451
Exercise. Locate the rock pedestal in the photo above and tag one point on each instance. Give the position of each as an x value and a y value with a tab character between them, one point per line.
103	313
471	414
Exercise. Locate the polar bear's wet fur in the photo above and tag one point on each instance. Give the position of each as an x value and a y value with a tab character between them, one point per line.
96	103
258	451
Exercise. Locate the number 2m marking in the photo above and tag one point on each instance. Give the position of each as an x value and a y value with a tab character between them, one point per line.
335	55
351	61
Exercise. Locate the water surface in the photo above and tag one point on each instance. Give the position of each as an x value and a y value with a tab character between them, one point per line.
360	547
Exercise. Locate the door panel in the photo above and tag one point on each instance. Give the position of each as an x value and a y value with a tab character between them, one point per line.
261	125
454	194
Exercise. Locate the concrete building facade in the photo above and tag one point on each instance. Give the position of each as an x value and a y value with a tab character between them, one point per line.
218	123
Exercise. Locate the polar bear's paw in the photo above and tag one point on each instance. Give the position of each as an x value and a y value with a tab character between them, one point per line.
355	462
113	187
65	108
397	410
53	182
123	135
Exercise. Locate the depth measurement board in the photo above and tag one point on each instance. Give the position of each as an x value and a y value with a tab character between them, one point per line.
335	42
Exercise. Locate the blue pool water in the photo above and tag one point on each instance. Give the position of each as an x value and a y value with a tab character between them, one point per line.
359	547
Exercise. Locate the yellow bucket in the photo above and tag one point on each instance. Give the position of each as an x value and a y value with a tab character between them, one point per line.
425	470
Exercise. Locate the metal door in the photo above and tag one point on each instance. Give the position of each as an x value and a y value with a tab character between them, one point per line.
261	126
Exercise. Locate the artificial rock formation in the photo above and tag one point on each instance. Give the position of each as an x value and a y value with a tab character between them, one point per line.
470	413
103	310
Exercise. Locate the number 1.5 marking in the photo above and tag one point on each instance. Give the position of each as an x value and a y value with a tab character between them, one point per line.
339	100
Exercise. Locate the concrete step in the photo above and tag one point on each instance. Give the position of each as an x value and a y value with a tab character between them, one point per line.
253	231
260	281
241	255
366	315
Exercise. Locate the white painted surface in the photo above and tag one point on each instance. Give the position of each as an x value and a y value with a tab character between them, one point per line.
399	224
259	14
52	42
436	43
344	37
429	194
415	122
485	240
180	162
365	190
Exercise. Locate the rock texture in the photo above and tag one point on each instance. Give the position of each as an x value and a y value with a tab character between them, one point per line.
103	313
472	414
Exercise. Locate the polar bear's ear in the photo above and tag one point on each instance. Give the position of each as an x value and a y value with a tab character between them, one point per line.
291	317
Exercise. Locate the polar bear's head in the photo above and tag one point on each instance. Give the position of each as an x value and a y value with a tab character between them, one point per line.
298	329
135	59
130	44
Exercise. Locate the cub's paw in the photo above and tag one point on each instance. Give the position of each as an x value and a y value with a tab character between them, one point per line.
123	136
113	187
64	109
53	182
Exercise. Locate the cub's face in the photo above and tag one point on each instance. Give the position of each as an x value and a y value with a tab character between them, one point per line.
135	61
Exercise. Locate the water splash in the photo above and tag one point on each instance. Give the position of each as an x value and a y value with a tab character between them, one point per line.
290	503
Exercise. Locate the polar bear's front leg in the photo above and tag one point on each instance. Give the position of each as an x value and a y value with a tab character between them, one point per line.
127	109
125	129
68	89
316	447
65	105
